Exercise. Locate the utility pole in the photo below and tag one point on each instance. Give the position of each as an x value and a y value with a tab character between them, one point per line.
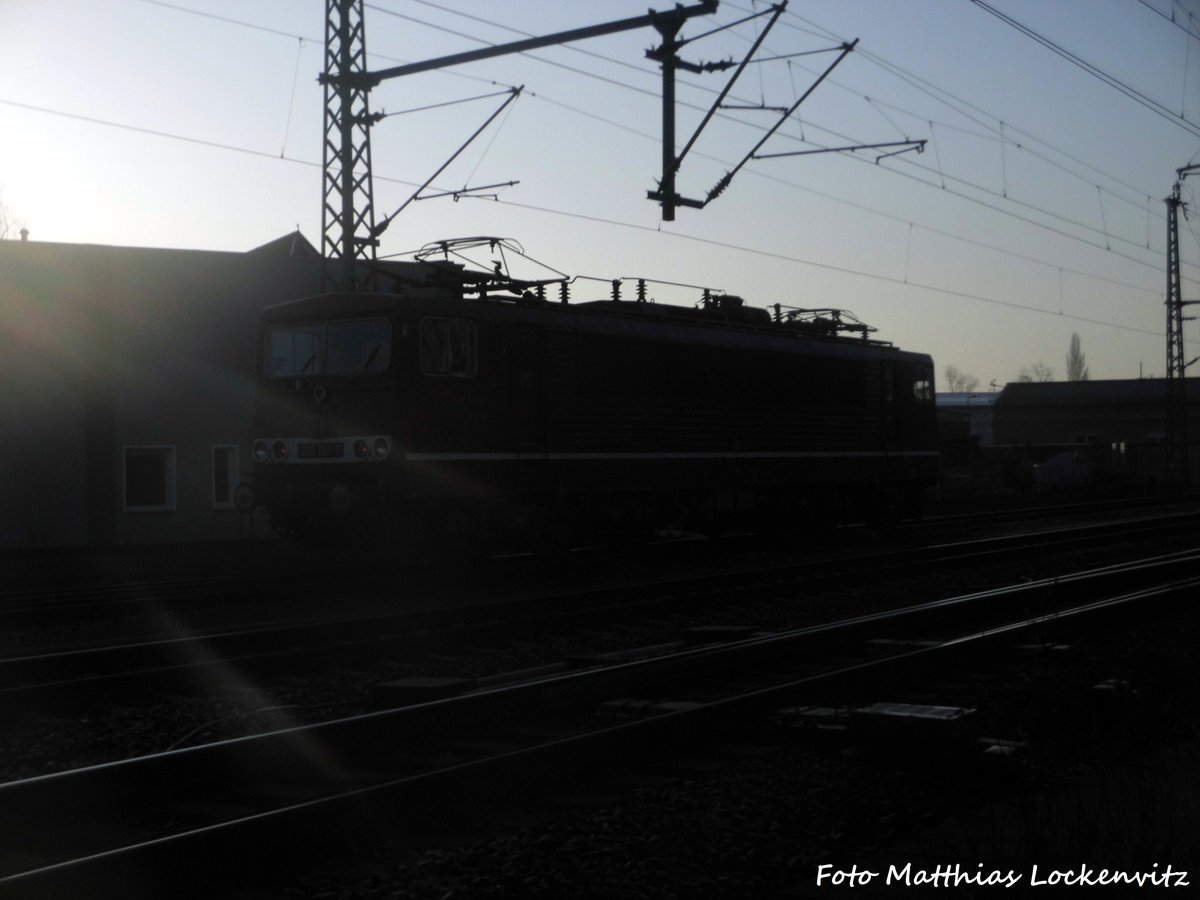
1177	413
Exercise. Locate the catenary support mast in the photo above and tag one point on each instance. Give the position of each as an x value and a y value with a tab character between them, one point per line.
1177	413
348	213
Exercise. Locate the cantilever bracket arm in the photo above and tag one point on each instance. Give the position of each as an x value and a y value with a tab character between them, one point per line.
678	14
778	10
721	185
514	93
667	56
468	191
919	146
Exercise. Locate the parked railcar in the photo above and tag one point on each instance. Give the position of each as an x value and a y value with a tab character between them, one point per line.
444	409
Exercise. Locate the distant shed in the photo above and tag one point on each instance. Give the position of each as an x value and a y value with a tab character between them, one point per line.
966	416
1124	418
1130	411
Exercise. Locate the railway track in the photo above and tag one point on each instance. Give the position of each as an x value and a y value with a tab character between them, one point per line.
65	586
186	658
131	825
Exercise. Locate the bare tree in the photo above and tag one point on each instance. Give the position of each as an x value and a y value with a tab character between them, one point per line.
958	381
1077	369
8	223
1038	372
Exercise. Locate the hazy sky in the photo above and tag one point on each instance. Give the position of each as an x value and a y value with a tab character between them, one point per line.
1035	211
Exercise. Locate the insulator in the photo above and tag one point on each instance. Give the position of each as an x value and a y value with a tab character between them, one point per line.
616	290
641	290
564	292
721	185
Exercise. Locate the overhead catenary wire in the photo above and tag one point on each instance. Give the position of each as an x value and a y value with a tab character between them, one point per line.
938	93
590	74
639	69
940	173
944	177
990	131
1066	220
823	32
625	225
246	150
287	128
1190	31
1024	147
814	30
923	226
1111	80
728	245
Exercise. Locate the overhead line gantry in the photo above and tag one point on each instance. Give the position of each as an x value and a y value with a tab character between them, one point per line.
349	231
348	217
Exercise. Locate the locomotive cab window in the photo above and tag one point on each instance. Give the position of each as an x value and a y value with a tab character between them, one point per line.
341	347
291	350
914	383
923	390
358	345
923	385
448	347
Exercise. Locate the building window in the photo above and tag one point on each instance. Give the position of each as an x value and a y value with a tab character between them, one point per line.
149	479
225	475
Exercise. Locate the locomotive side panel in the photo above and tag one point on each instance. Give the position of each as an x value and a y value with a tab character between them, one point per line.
693	393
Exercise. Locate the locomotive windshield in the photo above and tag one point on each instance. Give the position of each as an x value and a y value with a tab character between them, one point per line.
343	347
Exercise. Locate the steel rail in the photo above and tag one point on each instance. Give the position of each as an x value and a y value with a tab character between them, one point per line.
194	655
304	752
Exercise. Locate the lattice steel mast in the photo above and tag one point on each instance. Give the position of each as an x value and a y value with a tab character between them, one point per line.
348	210
1177	414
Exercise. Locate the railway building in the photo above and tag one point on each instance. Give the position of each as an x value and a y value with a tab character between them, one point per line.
128	377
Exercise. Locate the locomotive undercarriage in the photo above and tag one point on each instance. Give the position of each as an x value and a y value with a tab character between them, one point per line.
333	507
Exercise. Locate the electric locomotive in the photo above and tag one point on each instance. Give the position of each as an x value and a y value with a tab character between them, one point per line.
469	403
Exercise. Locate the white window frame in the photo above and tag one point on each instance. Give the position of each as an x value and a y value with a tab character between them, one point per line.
168	456
233	473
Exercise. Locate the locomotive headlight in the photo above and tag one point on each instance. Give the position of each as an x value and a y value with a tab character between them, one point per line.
381	448
261	452
361	450
279	451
